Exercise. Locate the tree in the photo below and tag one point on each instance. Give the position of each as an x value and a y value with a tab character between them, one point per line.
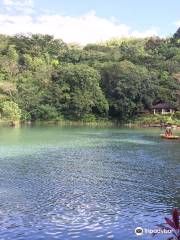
177	34
128	88
81	93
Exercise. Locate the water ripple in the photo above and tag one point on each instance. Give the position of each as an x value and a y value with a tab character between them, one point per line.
85	184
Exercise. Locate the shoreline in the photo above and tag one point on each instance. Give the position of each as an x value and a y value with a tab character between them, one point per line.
100	123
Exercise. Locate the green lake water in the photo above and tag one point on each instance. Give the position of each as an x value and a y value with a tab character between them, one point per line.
85	183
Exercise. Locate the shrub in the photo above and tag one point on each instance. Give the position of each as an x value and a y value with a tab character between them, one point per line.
177	115
88	118
47	112
11	111
25	116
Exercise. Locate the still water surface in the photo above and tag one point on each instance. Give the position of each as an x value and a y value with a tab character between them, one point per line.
85	183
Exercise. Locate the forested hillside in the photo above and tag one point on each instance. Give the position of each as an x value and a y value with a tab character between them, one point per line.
42	78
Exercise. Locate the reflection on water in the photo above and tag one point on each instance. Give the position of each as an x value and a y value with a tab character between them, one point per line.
85	183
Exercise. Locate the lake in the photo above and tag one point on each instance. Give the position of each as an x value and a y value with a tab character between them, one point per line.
85	183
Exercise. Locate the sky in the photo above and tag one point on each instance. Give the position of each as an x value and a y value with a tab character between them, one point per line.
89	21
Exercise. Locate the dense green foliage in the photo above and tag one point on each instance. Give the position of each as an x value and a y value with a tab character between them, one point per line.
11	110
44	78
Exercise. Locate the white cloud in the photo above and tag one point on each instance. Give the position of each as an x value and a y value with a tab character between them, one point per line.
84	29
7	2
147	33
177	23
23	6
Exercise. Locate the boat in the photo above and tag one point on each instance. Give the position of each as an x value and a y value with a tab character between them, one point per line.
169	137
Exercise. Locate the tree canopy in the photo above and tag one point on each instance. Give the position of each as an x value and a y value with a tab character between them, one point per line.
45	78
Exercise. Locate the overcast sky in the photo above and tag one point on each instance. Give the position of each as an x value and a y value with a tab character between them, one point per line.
86	21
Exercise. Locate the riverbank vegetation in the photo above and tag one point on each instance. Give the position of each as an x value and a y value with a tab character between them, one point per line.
157	120
42	78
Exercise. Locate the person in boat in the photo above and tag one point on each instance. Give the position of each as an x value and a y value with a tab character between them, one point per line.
168	131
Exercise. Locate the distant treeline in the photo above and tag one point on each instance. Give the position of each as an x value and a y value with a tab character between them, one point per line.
42	78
